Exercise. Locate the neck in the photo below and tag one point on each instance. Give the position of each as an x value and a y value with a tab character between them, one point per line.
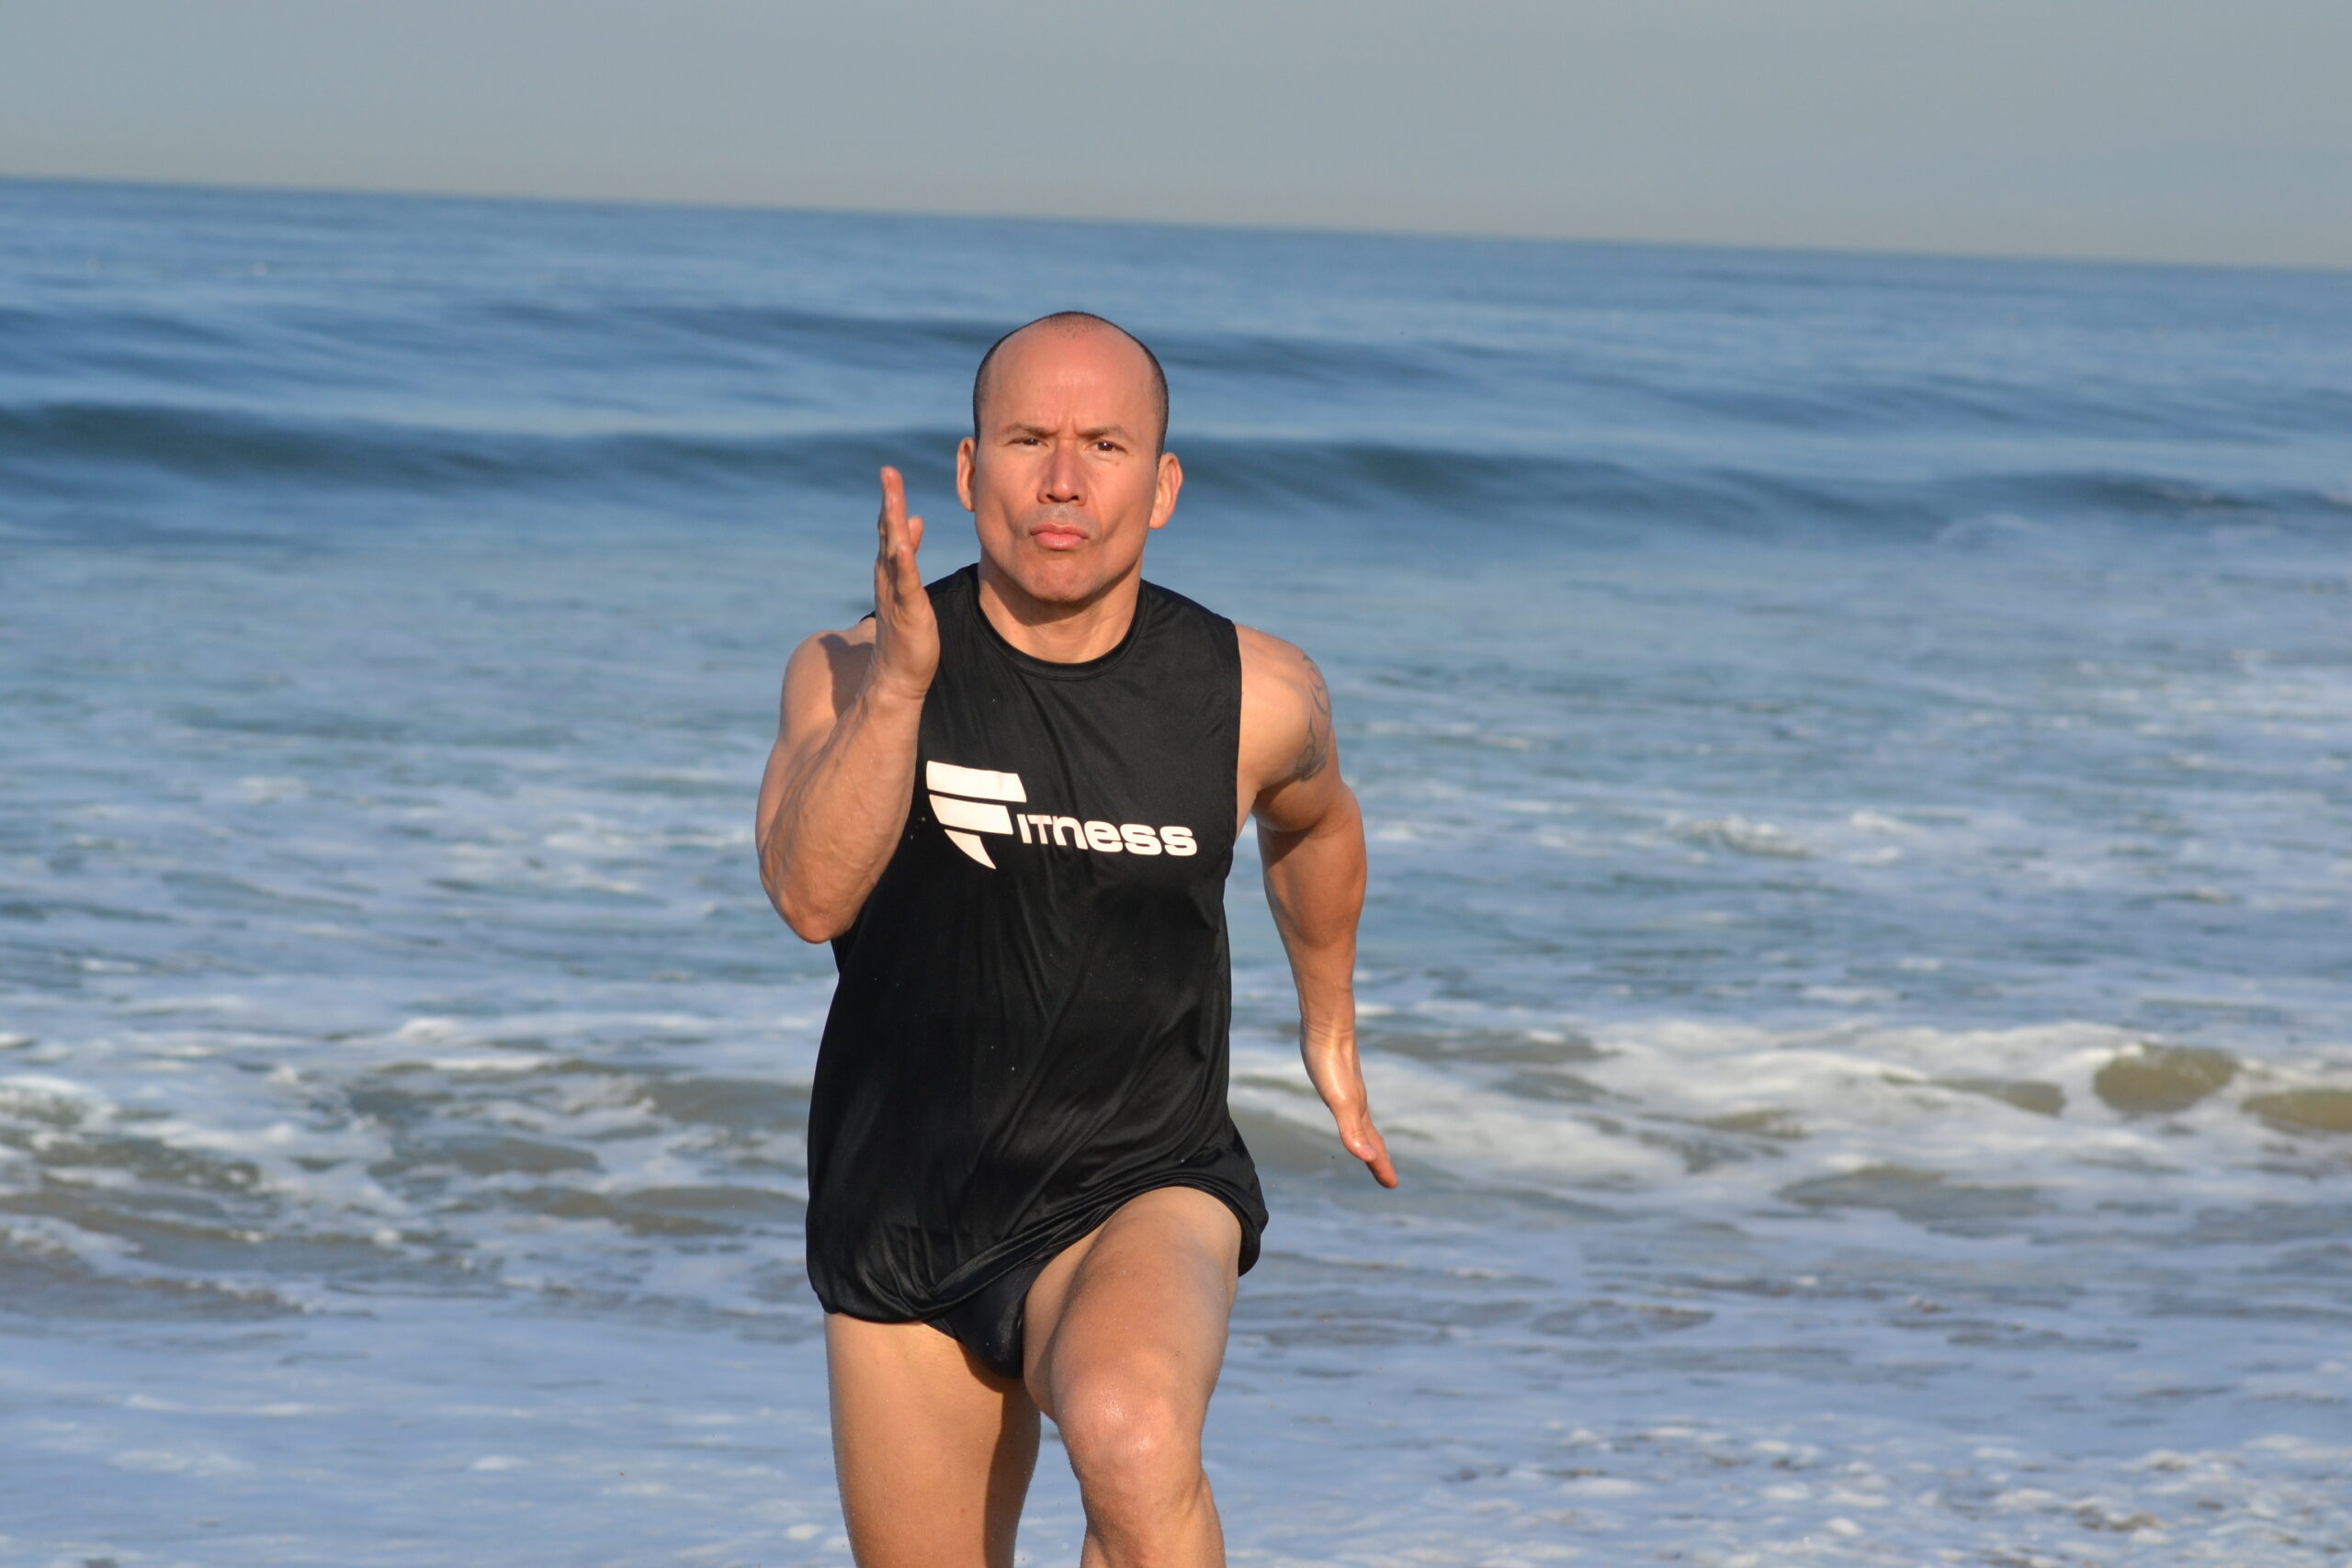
1062	632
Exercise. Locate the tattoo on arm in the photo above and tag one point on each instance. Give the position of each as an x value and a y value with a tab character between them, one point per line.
1317	754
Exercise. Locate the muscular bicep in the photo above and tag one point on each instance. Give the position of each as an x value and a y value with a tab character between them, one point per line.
1290	751
820	684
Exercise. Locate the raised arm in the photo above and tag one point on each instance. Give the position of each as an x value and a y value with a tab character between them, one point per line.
1310	836
833	800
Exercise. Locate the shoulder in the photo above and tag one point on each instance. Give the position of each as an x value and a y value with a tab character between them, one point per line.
1166	613
1285	711
824	673
855	642
1278	669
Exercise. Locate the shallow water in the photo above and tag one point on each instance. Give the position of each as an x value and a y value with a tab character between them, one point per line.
1859	756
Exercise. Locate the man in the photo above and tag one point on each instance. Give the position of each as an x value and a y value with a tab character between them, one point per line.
1010	799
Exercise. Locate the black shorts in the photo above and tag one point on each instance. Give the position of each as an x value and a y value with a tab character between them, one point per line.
991	1323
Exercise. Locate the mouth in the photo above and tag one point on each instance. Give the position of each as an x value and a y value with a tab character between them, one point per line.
1057	535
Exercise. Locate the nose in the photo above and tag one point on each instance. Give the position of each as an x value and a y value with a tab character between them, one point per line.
1064	482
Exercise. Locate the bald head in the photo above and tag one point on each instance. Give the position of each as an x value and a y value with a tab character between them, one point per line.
1078	323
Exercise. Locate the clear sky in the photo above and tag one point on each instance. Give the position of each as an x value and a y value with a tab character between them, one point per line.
2168	130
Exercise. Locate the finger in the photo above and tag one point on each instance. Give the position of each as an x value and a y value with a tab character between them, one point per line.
906	576
1365	1142
892	522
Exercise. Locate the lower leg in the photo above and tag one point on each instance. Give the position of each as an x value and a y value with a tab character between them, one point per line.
1183	1528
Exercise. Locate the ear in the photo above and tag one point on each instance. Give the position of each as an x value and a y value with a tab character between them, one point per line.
1166	486
966	455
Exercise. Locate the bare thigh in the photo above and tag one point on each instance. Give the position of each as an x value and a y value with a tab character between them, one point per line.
1125	1338
932	1452
1152	1287
1152	1284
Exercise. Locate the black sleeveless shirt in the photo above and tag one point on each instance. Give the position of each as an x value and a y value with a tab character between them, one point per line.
1030	1026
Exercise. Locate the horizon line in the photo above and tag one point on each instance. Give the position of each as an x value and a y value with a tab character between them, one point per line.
707	204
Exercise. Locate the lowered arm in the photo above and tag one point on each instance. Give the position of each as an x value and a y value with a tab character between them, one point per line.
1310	837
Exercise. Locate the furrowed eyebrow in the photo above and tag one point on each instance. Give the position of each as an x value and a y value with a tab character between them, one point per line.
1097	434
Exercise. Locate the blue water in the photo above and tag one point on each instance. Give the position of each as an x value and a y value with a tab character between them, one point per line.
1859	758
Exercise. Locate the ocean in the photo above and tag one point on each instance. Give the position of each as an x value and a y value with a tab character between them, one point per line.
1858	759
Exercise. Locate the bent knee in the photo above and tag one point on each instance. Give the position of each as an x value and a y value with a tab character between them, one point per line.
1132	1444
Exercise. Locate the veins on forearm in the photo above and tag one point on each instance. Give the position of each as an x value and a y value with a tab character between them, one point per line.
823	789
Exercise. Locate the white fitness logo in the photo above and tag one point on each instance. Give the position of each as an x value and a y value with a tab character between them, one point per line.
967	803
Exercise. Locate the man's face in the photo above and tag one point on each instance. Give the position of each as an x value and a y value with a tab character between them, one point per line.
1063	480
